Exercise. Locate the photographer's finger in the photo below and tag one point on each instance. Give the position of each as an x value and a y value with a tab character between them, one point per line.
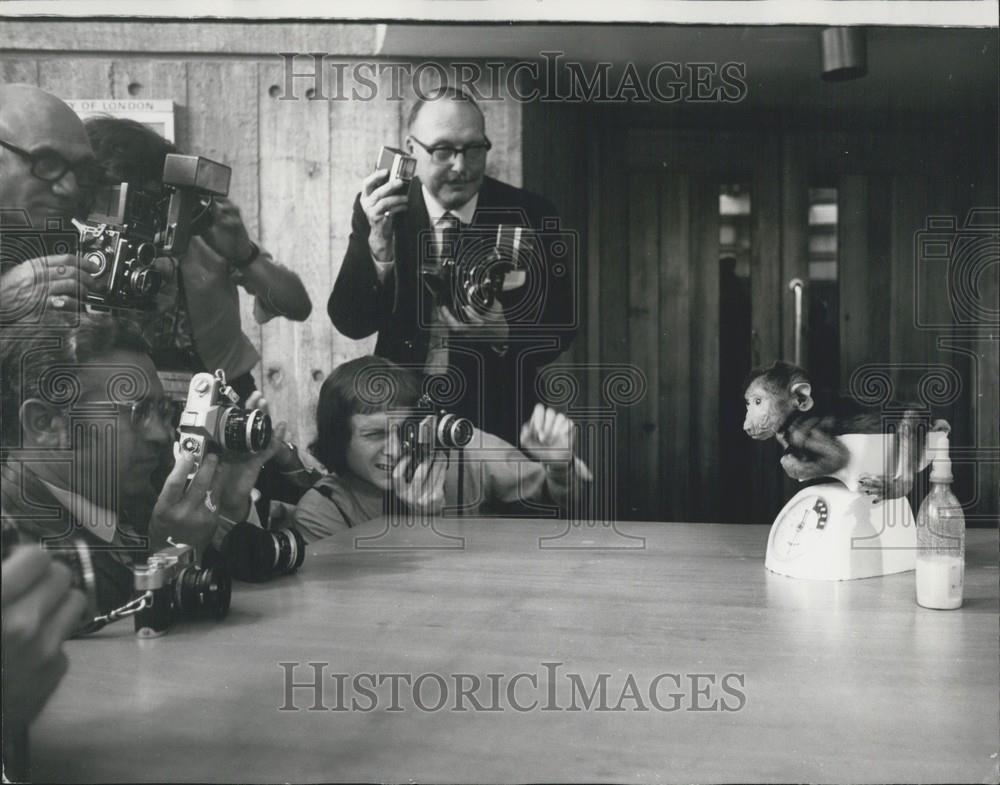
372	181
173	486
203	479
25	567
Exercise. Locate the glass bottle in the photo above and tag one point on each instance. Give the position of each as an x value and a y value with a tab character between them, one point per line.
940	538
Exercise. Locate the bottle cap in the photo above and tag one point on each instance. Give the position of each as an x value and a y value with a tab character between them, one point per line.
941	466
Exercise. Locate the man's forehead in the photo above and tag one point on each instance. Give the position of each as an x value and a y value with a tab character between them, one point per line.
446	117
35	120
119	376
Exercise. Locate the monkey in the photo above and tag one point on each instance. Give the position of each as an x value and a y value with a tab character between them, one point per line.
780	405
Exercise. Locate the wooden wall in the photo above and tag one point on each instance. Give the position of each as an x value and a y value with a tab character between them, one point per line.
297	164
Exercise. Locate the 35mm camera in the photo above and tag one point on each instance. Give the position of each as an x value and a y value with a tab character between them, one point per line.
178	589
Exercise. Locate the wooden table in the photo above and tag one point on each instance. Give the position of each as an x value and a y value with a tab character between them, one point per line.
842	681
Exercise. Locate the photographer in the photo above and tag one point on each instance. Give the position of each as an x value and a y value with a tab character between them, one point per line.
496	352
85	425
47	176
356	438
197	326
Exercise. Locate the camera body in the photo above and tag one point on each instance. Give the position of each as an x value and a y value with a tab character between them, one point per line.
213	421
119	240
179	588
474	267
129	227
400	165
421	435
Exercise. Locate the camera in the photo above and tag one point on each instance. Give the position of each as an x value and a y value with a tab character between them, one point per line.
400	165
179	588
129	227
213	420
256	555
474	267
420	436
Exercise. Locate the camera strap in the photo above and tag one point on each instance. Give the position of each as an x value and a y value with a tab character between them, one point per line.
130	608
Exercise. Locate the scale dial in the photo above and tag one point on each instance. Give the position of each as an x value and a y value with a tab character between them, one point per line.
800	528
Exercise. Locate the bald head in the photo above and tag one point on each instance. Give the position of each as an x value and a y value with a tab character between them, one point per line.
39	123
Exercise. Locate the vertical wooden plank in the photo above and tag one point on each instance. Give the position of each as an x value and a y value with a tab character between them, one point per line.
853	268
674	380
166	79
706	395
879	268
643	327
767	296
357	130
18	71
295	226
596	206
908	344
611	268
222	125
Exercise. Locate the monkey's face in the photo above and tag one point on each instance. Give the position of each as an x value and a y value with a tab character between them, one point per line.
766	410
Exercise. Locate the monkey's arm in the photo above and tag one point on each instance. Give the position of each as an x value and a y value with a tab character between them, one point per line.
813	451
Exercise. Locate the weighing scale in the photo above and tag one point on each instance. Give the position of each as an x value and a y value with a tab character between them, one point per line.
833	531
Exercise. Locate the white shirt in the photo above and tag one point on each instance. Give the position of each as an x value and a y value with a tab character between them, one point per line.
100	522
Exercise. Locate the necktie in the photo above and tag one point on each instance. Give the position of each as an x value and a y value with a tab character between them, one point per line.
447	227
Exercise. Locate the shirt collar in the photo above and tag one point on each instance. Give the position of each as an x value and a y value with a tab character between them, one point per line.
435	209
98	521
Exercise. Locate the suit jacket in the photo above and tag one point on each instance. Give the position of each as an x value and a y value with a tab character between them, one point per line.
542	314
29	507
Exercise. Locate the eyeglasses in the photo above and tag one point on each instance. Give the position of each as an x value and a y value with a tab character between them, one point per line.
50	166
142	414
445	153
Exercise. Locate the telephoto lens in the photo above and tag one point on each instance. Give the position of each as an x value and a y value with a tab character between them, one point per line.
287	550
256	555
246	430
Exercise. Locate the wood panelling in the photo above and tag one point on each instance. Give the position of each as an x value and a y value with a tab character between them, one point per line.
297	164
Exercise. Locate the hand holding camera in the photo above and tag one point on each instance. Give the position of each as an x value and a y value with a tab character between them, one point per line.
181	512
227	234
490	323
383	195
548	437
61	279
420	484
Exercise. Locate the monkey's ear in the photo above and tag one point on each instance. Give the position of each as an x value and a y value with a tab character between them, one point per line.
803	396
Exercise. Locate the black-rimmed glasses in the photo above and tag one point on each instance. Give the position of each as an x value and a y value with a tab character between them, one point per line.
50	166
142	414
445	153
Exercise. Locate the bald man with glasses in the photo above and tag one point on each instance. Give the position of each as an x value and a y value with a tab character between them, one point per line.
48	174
495	353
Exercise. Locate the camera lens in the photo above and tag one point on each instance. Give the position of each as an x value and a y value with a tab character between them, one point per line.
287	550
246	430
454	432
145	283
99	261
203	592
145	254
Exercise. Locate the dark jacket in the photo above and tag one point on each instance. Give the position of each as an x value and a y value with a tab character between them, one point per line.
30	508
542	314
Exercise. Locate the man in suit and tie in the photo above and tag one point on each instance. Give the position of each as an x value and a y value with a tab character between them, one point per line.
491	354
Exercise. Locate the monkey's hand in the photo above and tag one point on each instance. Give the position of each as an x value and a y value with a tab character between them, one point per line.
880	487
798	468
